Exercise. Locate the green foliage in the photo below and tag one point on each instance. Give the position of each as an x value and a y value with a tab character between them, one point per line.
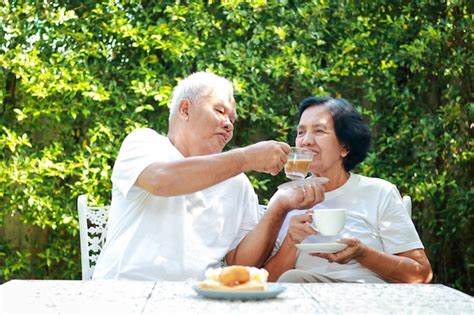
77	77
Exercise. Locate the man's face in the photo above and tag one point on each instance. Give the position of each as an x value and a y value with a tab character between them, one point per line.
316	133
210	123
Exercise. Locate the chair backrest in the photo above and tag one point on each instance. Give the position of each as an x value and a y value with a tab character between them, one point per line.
261	211
92	232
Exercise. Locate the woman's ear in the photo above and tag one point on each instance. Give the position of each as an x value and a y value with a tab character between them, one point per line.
345	151
183	108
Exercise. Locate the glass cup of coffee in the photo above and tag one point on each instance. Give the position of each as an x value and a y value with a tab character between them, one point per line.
299	160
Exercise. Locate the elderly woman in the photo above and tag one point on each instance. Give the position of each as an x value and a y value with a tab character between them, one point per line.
382	242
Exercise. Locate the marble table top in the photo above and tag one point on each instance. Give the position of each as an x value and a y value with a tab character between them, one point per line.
141	297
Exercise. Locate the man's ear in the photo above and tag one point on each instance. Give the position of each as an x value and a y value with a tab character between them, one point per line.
183	108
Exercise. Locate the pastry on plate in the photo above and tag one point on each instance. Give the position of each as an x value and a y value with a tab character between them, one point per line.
235	278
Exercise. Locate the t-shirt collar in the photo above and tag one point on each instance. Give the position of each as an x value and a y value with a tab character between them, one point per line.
341	190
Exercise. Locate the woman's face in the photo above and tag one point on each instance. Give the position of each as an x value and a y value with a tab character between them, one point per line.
316	133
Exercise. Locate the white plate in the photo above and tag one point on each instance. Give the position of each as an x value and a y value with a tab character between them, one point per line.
296	183
321	247
273	289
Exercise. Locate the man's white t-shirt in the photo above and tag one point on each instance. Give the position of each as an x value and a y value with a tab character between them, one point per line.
170	238
375	215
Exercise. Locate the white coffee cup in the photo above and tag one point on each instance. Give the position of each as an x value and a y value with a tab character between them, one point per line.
329	221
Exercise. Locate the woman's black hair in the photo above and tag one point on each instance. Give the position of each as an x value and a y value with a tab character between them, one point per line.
351	130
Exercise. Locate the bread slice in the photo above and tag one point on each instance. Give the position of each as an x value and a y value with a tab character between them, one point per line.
250	286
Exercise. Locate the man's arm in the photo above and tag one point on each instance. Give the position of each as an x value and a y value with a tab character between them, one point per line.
258	244
199	172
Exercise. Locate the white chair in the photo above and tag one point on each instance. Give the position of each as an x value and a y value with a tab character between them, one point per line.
92	232
261	211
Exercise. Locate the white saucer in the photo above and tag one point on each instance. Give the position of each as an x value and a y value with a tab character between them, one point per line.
321	247
273	289
296	183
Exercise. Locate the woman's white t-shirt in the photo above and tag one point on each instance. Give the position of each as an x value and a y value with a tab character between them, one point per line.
375	215
170	238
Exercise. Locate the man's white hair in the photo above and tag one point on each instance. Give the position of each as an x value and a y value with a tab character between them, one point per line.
197	85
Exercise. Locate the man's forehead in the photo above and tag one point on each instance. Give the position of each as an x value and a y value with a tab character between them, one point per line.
224	98
221	94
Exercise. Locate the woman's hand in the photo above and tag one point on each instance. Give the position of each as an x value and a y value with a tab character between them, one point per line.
355	249
303	197
300	227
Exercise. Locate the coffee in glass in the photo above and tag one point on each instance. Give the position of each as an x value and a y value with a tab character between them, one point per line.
298	163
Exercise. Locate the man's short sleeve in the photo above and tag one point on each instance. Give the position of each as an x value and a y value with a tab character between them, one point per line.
140	148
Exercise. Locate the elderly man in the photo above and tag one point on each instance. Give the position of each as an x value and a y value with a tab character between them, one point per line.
179	205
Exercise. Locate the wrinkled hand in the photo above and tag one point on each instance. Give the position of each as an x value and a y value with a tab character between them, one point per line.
267	156
354	250
303	197
300	227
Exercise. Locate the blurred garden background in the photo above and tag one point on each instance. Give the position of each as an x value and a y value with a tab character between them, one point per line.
77	76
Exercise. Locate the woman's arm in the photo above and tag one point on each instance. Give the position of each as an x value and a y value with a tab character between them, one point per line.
408	267
285	258
257	245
